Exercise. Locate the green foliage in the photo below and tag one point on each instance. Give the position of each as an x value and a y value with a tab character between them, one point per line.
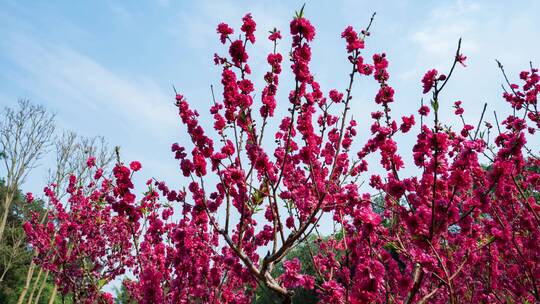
122	296
15	256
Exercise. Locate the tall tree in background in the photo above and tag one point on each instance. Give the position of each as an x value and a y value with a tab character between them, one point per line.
13	247
15	256
25	136
71	155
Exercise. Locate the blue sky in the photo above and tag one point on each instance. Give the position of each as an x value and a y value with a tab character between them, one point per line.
107	67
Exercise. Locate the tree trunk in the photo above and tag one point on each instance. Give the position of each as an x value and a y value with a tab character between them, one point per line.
5	212
34	286
53	294
29	276
43	283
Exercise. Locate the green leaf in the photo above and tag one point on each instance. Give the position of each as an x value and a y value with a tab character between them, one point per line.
390	246
101	283
242	116
435	105
300	14
257	198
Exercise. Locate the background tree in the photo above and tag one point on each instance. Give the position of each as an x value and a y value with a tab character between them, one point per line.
122	296
13	249
15	255
72	152
25	136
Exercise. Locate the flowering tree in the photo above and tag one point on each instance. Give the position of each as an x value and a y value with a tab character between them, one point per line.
84	245
72	152
463	230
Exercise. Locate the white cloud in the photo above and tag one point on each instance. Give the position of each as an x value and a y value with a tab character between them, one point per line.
490	30
439	35
121	13
72	80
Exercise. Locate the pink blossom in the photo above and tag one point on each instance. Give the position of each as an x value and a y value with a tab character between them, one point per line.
224	31
429	80
248	27
135	165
